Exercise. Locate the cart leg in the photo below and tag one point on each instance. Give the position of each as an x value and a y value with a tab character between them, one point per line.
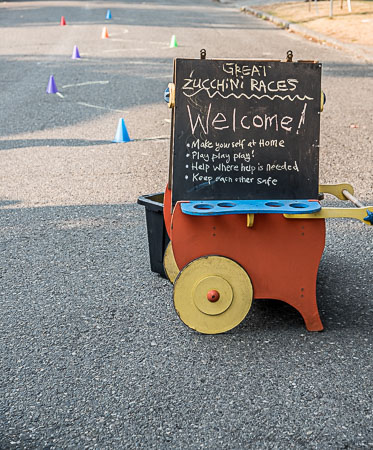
311	316
306	305
313	323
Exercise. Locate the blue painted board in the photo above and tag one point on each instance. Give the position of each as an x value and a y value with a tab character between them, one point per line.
221	207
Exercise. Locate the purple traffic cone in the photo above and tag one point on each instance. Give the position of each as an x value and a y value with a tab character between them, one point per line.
52	88
76	54
122	133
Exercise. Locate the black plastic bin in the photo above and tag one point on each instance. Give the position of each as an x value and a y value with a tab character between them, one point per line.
157	234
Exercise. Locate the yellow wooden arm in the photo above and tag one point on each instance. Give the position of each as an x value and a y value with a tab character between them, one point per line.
171	102
250	220
365	214
336	190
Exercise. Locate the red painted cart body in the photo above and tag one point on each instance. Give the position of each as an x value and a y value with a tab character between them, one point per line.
281	256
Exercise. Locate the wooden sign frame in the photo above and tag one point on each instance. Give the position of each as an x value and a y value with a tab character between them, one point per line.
245	129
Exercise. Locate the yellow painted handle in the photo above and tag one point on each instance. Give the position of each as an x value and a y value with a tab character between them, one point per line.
330	213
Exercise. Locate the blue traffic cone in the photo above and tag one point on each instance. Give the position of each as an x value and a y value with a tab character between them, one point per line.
76	54
108	14
122	133
52	88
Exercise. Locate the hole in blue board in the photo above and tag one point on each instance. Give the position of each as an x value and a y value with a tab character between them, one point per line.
203	206
298	205
226	205
274	204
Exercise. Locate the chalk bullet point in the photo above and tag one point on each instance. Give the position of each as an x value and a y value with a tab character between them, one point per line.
187	155
188	145
187	166
186	177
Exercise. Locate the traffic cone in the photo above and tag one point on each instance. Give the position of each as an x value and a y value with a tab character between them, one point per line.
108	14
173	42
104	34
76	54
63	21
122	133
52	88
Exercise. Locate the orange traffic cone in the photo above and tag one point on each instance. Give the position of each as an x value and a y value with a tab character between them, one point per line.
104	34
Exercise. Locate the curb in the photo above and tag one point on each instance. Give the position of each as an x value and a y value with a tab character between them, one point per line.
307	33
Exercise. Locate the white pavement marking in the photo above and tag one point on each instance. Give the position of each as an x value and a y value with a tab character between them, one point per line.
59	94
145	63
159	76
156	138
124	50
101	107
123	31
86	83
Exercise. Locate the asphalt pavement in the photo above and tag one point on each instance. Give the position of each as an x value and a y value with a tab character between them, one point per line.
93	354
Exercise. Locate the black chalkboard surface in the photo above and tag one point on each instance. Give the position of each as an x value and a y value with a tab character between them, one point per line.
246	130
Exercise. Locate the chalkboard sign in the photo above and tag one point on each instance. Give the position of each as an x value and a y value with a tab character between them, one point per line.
245	130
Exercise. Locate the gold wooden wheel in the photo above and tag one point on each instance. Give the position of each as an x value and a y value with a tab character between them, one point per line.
169	264
212	294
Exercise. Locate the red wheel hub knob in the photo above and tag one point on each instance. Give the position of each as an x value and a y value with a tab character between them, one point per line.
213	295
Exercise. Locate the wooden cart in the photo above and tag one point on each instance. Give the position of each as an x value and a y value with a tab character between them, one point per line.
233	236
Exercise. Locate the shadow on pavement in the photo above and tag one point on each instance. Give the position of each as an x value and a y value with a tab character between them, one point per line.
152	13
121	83
8	203
91	345
139	81
351	70
94	228
12	144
